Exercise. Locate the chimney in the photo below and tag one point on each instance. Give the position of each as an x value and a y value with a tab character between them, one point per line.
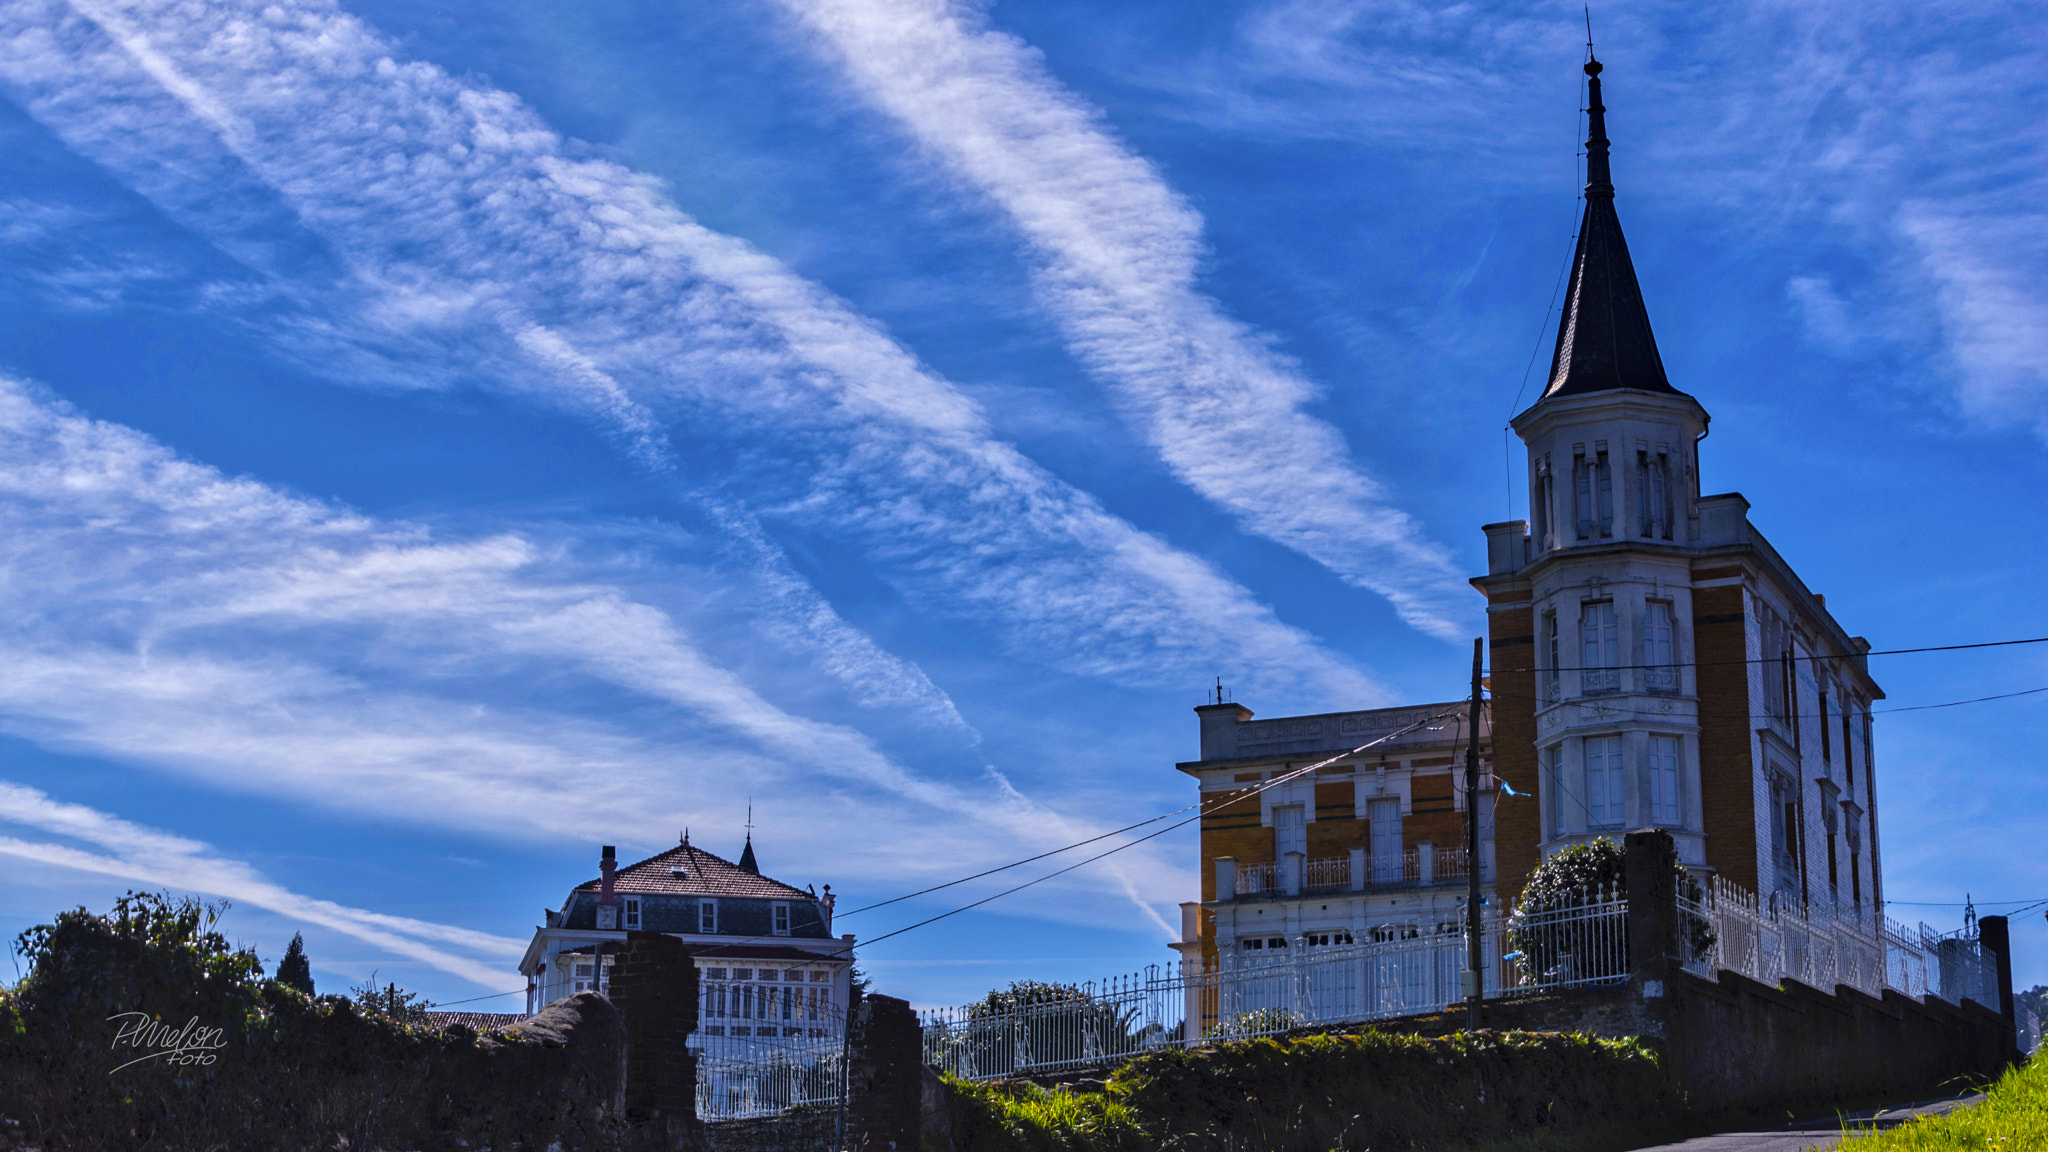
607	864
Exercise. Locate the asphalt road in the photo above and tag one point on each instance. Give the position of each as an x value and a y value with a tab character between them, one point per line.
1808	1135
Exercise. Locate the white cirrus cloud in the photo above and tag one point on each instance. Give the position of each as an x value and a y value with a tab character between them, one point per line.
153	858
453	225
1116	253
162	614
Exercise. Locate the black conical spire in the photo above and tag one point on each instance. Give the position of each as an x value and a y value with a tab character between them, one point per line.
1603	338
747	854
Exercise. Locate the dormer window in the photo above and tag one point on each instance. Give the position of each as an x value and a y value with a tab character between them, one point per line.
707	916
781	919
632	913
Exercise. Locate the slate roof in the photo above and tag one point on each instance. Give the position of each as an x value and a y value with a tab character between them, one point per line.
1603	338
703	875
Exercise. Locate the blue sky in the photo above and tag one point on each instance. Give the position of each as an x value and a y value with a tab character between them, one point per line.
441	439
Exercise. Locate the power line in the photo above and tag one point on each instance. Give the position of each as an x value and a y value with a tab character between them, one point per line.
1779	658
474	999
1233	798
1594	700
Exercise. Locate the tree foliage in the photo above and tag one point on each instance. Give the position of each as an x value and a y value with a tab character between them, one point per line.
262	1066
1583	874
294	971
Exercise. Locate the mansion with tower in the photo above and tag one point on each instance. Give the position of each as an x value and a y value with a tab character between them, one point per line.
1654	662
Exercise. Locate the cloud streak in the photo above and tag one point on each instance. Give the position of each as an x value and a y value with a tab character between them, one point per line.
447	216
166	615
158	859
1116	255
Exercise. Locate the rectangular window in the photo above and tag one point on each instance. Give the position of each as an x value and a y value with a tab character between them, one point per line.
1661	671
1855	881
632	912
1606	788
707	919
1290	832
1827	743
1775	652
1653	483
1384	818
1539	503
1832	884
1553	784
1582	484
1599	648
1664	809
1604	480
1551	652
782	919
1848	750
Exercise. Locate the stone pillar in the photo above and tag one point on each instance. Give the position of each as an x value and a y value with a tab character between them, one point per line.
1650	877
1993	936
1226	877
654	985
884	1075
1358	872
1425	863
1290	867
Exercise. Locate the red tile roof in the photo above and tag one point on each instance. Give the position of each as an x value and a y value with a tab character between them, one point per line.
481	1021
702	875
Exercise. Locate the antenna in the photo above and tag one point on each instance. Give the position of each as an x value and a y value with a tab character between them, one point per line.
1589	31
750	817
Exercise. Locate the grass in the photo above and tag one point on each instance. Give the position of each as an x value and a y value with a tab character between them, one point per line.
2013	1117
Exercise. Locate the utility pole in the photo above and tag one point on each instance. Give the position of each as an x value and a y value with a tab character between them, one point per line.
1475	949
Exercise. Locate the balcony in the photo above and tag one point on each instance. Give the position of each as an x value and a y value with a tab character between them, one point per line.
1420	867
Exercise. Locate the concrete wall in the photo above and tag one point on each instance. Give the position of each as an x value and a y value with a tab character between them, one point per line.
1735	1043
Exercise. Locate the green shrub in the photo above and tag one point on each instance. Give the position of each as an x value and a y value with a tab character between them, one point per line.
1533	1091
1015	1116
277	1069
1382	1090
1573	877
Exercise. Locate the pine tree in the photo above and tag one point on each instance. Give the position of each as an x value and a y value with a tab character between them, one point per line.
293	971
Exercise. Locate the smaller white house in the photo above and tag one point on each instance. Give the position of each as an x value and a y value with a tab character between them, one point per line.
767	962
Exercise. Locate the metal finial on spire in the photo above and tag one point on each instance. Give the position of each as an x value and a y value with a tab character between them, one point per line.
1603	336
1599	180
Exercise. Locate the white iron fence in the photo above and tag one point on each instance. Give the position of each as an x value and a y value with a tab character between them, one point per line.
1820	949
1332	979
760	1070
1317	979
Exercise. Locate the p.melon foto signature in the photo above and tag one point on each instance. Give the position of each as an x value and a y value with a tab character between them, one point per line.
192	1044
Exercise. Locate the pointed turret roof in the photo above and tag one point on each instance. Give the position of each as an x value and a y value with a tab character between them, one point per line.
747	856
1603	338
